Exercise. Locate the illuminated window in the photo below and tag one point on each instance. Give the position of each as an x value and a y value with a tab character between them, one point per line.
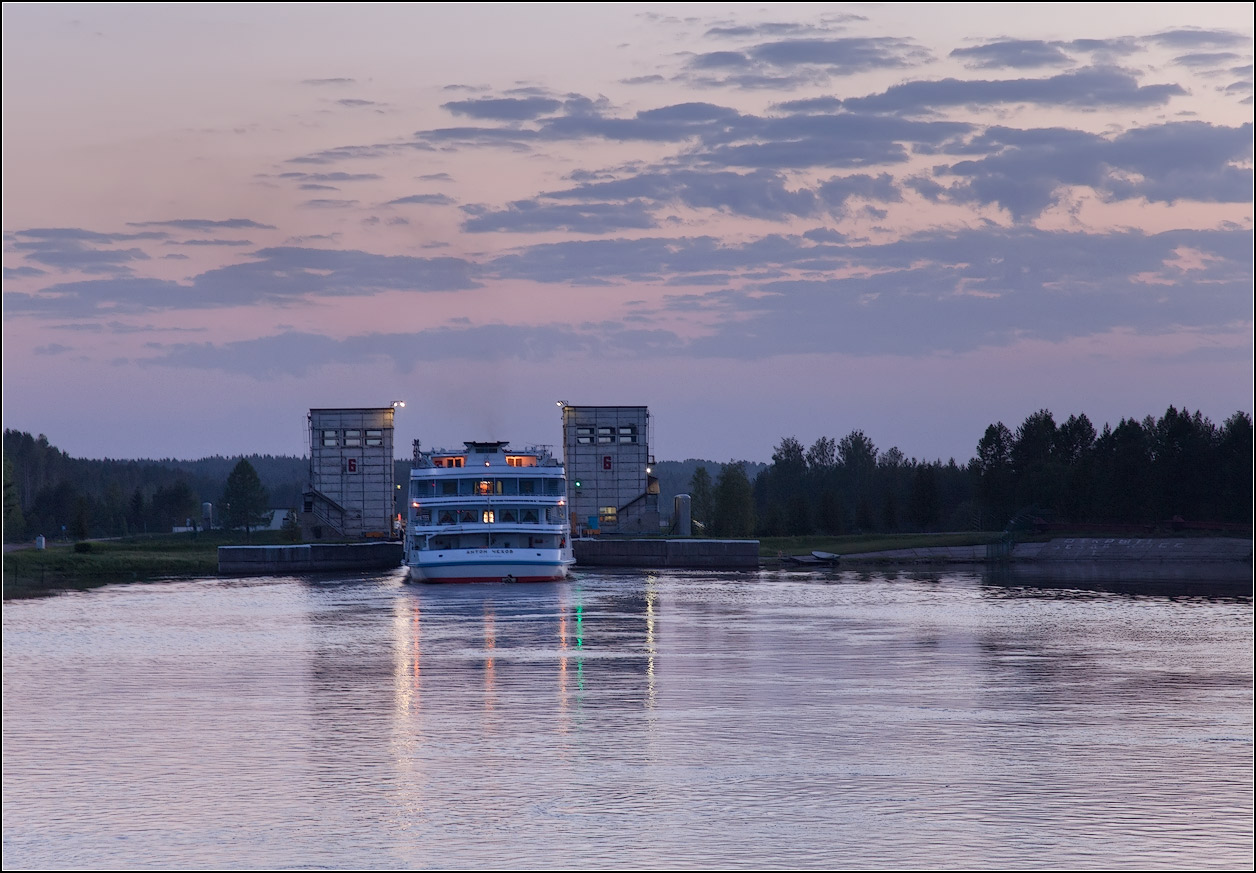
353	438
483	487
607	515
487	517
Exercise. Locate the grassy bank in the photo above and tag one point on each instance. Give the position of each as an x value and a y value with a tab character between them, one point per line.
31	572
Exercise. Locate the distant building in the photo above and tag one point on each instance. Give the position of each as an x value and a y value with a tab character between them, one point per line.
351	488
606	452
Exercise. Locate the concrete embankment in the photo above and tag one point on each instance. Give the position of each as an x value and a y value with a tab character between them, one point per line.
1127	550
659	553
308	558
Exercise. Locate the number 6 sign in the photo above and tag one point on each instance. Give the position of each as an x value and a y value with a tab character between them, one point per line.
606	462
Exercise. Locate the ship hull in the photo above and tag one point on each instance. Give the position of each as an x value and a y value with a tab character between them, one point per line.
489	565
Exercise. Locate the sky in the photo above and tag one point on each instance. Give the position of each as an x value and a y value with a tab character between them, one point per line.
760	221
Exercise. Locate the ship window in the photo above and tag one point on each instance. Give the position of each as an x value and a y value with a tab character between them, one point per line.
423	518
467	516
449	486
508	515
329	439
487	516
447	517
484	486
527	486
353	438
529	516
374	437
607	515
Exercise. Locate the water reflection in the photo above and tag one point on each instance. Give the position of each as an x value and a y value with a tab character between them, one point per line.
916	719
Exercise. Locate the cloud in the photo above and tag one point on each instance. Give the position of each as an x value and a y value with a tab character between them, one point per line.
324	203
1015	53
332	177
1207	59
1025	171
74	249
425	199
353	103
332	81
789	63
78	234
211	242
760	30
1092	87
504	108
358	152
527	216
23	272
759	194
1198	38
203	224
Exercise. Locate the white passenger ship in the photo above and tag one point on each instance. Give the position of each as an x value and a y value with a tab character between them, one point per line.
488	513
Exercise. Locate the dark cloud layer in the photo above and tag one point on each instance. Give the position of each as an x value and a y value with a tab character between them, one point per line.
922	295
279	275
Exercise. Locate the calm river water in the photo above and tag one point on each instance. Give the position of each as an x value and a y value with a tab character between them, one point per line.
676	719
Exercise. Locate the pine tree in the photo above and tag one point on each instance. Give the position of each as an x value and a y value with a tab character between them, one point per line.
244	501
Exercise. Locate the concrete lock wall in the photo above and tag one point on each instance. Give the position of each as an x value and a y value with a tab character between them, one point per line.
1169	549
308	558
660	553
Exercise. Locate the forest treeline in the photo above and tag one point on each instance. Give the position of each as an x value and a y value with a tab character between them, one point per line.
47	492
1140	472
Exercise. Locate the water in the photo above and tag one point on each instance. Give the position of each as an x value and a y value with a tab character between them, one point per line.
675	719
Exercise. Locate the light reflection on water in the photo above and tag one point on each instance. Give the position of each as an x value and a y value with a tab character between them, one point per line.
662	719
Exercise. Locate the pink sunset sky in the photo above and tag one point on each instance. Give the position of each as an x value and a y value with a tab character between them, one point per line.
759	221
